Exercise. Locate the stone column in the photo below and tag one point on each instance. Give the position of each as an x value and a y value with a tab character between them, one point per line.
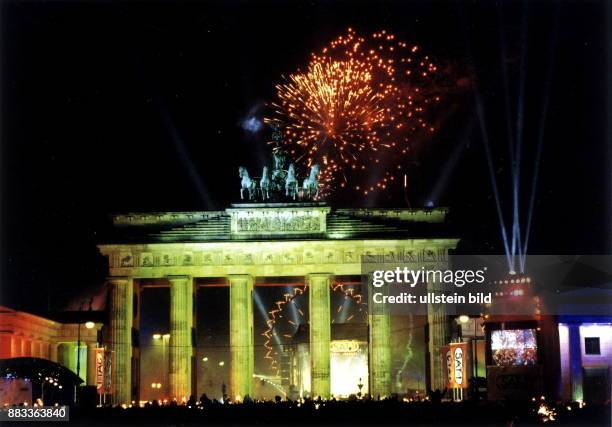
438	337
121	316
53	352
16	347
320	334
181	345
47	350
40	349
242	352
575	361
6	346
26	347
379	330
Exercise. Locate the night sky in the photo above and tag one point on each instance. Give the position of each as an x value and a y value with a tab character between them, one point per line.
114	107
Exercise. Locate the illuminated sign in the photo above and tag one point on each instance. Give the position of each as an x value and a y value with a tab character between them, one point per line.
446	356
109	371
344	346
282	221
459	366
455	358
100	366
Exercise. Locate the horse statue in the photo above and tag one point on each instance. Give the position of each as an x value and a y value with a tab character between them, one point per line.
265	184
291	183
246	184
311	184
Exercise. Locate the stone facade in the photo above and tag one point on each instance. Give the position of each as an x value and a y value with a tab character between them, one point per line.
27	335
310	241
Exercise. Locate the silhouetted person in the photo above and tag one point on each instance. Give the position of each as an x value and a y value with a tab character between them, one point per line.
205	400
436	396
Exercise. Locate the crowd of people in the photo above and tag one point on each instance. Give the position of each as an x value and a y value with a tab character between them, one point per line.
432	409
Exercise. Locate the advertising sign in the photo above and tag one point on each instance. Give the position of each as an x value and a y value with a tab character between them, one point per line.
447	364
100	366
455	362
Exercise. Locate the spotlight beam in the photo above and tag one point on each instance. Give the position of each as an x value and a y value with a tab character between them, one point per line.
543	116
263	313
485	141
520	122
451	163
184	156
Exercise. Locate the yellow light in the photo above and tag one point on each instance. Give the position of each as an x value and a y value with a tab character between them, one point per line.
221	363
156	336
205	359
90	325
464	319
166	336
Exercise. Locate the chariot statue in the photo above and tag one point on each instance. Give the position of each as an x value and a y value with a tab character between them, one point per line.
281	180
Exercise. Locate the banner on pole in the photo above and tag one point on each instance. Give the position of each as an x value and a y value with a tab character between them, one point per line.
455	362
100	366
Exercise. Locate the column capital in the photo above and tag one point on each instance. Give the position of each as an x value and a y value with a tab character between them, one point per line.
176	277
240	277
115	279
322	275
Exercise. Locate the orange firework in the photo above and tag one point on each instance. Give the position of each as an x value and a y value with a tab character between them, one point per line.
356	109
277	313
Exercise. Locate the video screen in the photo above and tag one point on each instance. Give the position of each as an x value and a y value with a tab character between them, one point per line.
514	347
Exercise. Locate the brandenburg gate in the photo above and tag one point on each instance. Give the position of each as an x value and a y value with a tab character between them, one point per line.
309	241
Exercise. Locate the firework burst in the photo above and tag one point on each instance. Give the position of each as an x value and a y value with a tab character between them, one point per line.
356	109
276	314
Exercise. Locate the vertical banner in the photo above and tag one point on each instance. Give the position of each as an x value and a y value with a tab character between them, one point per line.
447	364
109	371
458	362
100	365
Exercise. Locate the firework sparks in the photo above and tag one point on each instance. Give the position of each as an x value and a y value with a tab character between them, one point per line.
356	109
288	298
